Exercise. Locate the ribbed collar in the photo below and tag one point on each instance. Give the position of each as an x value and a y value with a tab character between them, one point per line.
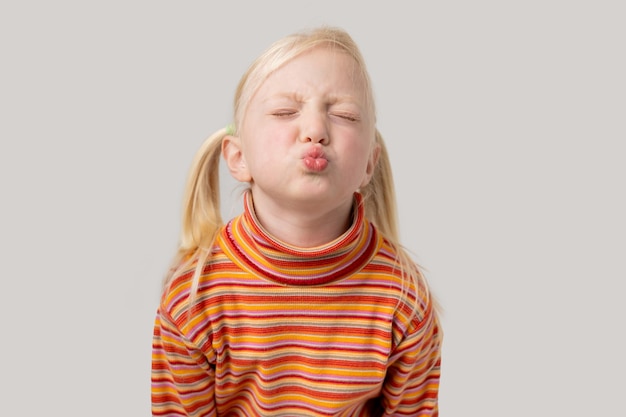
250	246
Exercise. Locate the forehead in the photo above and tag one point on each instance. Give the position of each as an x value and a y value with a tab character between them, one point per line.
321	69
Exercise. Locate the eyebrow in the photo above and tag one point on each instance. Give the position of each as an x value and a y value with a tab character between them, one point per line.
297	97
279	96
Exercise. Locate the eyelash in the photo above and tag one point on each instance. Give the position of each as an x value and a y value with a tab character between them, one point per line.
284	113
347	117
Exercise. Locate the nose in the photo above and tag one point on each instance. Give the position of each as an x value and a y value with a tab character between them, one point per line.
314	129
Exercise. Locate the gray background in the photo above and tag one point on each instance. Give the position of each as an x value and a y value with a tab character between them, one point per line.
506	127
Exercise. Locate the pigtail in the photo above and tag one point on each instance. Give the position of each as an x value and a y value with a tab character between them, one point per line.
201	216
380	195
381	209
201	201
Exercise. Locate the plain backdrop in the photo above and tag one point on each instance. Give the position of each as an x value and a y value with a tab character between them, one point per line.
505	122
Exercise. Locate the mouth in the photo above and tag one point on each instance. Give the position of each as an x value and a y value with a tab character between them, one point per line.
315	160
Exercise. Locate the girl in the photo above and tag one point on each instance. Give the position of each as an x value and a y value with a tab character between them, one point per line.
305	304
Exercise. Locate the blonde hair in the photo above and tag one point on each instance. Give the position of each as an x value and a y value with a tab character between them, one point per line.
201	218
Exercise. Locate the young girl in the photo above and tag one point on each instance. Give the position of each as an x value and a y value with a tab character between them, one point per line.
305	304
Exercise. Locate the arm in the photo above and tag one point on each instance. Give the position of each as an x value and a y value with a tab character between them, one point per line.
412	384
183	381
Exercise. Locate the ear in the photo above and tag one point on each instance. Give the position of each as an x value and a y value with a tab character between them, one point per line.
371	165
233	156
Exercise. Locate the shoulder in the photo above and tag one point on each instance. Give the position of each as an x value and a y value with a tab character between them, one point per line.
190	282
411	288
176	293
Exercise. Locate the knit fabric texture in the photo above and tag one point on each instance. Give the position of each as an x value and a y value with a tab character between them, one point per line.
278	330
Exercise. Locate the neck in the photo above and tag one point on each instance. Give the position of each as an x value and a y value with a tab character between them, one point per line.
303	227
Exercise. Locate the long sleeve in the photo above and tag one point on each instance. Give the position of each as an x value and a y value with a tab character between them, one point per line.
274	329
183	382
412	383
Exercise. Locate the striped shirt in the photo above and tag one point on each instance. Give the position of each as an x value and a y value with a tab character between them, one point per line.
278	330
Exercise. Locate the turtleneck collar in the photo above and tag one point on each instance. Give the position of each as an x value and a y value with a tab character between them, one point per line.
249	245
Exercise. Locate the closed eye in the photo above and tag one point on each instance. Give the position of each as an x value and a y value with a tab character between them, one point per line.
347	116
283	113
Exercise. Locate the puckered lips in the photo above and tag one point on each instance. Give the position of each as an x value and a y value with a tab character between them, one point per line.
314	159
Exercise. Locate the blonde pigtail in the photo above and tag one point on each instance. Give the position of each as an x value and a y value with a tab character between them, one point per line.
380	195
201	216
381	208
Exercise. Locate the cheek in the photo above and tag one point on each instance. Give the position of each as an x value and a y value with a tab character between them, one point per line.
357	148
264	149
272	141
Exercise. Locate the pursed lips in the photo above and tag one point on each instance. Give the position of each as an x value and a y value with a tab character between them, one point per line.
315	159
